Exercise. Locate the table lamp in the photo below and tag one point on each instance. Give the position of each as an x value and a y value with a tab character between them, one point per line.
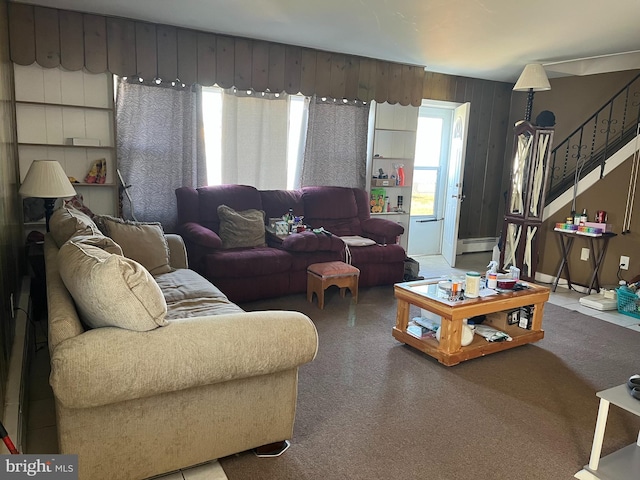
532	79
46	179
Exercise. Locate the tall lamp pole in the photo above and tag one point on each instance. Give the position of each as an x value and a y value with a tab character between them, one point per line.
532	79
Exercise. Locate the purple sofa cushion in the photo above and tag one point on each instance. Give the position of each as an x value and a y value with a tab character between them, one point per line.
312	242
238	197
276	203
247	262
334	208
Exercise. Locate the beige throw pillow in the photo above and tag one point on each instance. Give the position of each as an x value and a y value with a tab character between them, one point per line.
143	242
67	222
110	290
241	229
105	243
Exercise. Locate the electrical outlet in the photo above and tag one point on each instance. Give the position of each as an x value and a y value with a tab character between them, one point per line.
584	254
624	263
13	308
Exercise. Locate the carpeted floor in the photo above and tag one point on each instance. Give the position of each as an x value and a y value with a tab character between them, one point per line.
372	408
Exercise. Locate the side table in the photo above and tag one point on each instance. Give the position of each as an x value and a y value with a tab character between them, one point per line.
595	254
621	464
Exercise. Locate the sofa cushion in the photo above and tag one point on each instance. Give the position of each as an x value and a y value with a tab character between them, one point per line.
247	262
110	290
67	222
189	295
276	203
140	241
105	243
241	228
238	197
334	208
312	242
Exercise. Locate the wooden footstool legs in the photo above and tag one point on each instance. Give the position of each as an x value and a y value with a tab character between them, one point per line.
321	276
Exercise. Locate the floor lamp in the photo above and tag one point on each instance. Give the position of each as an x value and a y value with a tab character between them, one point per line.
46	179
532	79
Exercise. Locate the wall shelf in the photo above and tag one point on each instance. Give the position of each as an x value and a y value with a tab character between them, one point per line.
394	142
54	105
58	145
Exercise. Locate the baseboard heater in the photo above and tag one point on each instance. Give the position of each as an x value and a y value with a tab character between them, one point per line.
17	378
471	245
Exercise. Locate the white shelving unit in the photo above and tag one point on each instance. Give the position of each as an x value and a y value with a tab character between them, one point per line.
52	107
394	143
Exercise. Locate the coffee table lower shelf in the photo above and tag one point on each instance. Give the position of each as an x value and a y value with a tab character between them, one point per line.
479	347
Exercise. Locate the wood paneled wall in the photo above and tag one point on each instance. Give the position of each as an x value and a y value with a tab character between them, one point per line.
131	48
126	47
483	207
10	219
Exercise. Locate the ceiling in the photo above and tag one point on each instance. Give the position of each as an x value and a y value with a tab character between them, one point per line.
489	39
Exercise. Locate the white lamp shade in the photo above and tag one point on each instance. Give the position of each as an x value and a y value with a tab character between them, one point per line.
46	179
533	77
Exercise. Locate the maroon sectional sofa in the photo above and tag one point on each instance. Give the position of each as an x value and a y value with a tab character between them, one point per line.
280	267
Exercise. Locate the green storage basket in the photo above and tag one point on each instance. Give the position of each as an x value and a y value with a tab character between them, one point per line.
628	302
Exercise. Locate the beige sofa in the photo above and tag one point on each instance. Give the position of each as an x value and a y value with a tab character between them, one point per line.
210	382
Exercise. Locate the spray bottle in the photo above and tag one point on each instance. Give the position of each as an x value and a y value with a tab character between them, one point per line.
492	274
399	168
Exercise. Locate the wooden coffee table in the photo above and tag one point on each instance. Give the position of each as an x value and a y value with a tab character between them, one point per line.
448	351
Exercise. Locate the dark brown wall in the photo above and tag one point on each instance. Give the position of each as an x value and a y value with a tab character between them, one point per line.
481	211
573	100
10	230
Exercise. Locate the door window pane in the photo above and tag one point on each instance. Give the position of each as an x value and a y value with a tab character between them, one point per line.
428	142
423	196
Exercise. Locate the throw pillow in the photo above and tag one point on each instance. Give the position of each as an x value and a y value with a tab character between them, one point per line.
357	241
241	229
140	241
67	222
105	243
77	202
110	290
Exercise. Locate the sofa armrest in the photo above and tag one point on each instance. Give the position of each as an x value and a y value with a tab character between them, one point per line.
381	230
109	365
200	235
177	251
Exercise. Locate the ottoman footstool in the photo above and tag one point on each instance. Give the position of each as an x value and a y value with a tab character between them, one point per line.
321	276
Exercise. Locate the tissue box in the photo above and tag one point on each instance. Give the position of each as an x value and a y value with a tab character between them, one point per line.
282	228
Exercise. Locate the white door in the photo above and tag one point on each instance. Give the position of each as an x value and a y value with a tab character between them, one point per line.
454	197
433	139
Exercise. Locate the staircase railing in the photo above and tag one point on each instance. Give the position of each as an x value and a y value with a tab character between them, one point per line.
590	145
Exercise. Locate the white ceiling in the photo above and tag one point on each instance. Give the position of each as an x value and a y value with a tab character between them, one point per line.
490	39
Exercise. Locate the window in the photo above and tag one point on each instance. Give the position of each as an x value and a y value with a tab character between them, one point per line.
212	98
432	151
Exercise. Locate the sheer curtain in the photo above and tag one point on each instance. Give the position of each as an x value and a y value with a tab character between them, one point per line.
254	140
160	145
336	144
